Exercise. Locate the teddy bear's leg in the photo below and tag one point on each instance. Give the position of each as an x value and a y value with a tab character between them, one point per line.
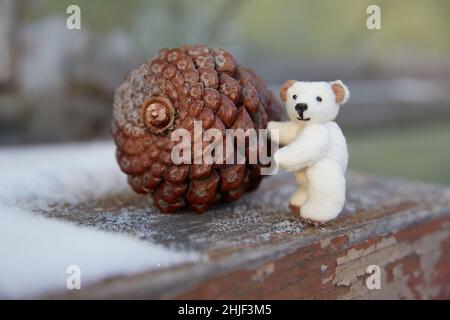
326	191
299	197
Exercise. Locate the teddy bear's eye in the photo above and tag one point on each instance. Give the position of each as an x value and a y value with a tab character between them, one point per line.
319	99
294	97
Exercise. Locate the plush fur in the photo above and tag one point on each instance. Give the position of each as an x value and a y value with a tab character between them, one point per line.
314	149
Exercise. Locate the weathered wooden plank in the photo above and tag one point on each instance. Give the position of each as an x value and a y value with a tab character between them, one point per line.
257	249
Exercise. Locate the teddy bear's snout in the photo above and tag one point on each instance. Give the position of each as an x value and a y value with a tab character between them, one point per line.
301	107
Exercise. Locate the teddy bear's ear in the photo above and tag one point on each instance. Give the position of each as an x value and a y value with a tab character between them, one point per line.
284	87
341	91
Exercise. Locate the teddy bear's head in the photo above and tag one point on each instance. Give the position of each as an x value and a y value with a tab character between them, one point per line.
313	102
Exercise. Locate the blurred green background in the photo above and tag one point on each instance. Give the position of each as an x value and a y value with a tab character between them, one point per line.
397	121
320	28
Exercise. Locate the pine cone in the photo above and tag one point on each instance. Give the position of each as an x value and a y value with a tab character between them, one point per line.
176	88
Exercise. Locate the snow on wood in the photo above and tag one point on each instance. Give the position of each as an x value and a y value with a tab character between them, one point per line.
36	251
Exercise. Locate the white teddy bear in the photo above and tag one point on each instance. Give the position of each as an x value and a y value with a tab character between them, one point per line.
315	148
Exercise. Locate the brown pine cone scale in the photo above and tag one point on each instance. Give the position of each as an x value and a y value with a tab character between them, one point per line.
173	90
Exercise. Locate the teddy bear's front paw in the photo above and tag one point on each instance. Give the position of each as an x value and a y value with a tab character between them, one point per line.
272	131
279	159
317	213
286	160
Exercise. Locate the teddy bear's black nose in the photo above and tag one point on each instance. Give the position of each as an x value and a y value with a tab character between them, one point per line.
299	107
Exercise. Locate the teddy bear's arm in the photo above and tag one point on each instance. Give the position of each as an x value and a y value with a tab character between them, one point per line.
309	147
287	131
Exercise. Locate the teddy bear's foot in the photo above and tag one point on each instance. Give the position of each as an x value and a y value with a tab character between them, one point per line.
318	214
298	198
